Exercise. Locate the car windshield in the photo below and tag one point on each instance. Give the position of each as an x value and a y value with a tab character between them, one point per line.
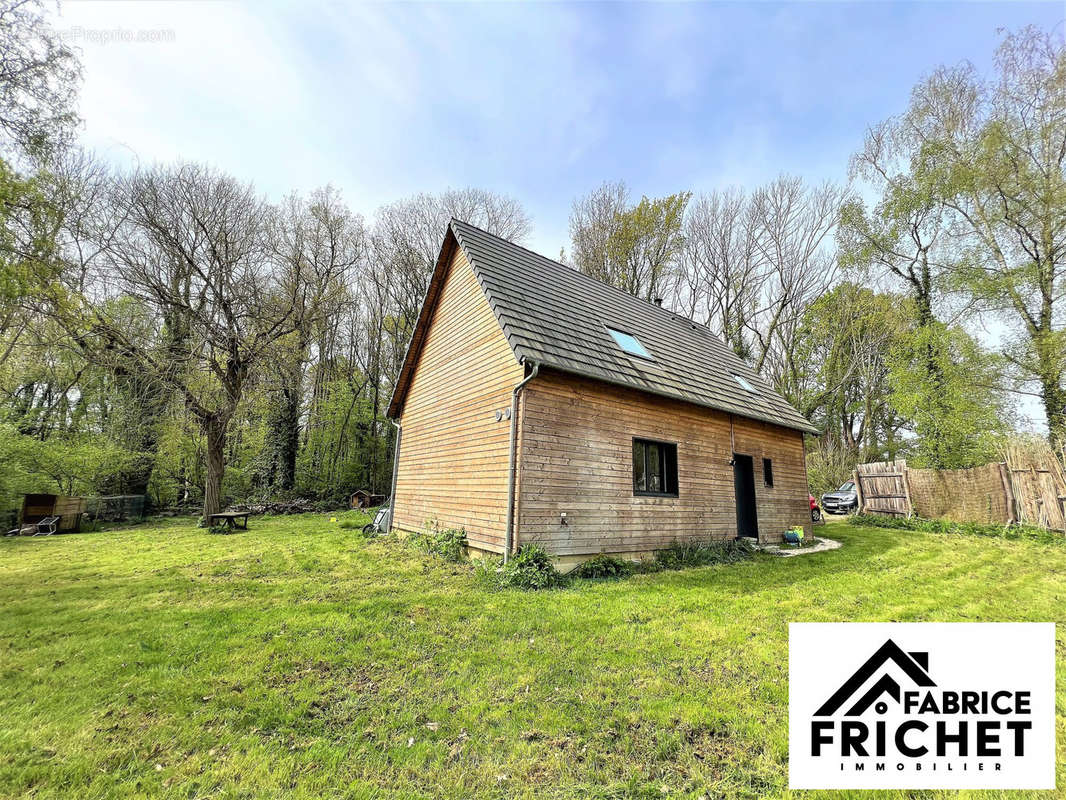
847	487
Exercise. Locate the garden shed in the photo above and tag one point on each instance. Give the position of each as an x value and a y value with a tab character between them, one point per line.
537	404
361	498
36	507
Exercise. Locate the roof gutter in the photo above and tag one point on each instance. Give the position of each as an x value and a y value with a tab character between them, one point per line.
509	535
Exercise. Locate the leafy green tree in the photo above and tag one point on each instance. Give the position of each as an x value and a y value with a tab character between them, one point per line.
960	416
844	345
177	476
869	387
898	237
634	248
66	464
646	244
345	447
27	237
39	79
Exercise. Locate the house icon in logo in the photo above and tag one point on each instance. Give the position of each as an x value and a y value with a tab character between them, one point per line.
914	665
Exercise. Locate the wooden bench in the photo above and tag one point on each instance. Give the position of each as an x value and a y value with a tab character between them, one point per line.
229	518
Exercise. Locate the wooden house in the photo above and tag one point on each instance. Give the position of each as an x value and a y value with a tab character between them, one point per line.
537	404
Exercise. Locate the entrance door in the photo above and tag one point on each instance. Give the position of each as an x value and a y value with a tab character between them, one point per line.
744	490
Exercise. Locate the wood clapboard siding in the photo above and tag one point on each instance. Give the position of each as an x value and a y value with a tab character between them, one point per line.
453	452
575	456
785	503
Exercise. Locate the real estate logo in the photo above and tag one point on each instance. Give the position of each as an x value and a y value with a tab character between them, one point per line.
921	705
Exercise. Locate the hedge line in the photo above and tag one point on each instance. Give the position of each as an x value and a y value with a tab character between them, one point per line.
1030	532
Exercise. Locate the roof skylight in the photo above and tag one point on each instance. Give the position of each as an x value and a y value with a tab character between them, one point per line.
747	387
629	343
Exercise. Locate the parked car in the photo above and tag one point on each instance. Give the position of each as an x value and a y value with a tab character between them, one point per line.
844	500
816	512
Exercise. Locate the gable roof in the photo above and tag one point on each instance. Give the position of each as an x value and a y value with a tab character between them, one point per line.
559	317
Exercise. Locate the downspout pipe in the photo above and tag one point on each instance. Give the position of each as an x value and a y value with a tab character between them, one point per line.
509	535
395	472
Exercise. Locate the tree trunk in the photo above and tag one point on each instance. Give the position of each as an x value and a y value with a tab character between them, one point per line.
283	421
146	442
215	431
288	436
1054	397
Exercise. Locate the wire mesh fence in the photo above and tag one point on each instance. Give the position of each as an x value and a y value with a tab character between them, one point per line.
117	508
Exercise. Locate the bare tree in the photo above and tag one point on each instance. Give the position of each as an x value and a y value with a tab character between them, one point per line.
752	265
317	245
720	279
184	292
406	240
794	226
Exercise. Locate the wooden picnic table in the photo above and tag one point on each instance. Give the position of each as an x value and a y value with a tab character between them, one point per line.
230	518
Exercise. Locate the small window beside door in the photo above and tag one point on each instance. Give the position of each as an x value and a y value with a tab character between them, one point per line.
654	468
768	472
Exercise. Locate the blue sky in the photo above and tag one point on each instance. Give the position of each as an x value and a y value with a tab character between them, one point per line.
542	102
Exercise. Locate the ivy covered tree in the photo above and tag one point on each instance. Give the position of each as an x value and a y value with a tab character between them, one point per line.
960	416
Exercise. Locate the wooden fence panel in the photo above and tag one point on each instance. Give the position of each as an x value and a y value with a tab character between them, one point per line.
961	495
1004	493
1039	494
883	488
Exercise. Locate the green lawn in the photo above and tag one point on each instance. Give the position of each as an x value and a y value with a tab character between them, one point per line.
297	660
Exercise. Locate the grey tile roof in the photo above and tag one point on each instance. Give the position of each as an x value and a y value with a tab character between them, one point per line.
558	317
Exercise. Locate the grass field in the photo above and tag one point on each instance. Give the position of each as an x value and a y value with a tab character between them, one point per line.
298	660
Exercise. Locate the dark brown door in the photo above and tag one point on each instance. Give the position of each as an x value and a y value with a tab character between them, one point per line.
744	488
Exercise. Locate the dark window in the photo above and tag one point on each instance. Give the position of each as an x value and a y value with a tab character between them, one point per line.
654	468
768	472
